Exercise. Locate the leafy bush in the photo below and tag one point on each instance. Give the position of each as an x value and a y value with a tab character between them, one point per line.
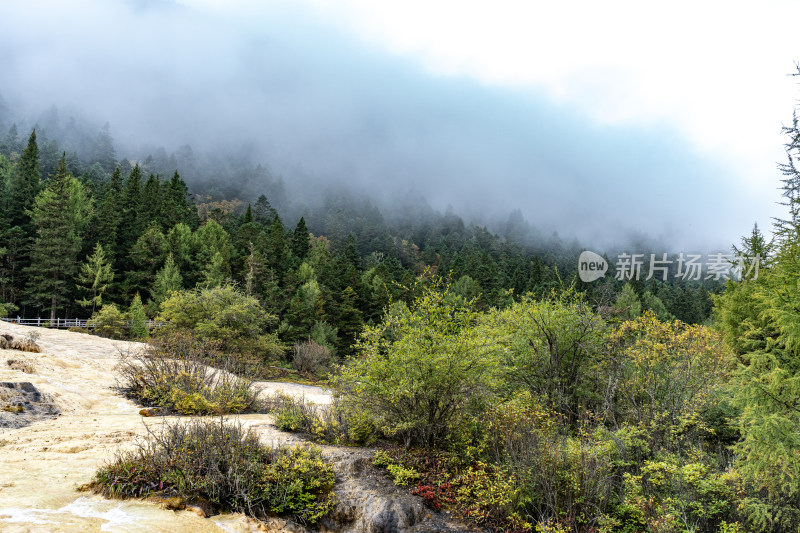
223	314
666	375
673	495
566	479
552	347
173	372
225	467
108	322
339	422
309	356
7	308
418	371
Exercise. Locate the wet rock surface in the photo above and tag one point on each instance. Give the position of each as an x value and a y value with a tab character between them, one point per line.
22	403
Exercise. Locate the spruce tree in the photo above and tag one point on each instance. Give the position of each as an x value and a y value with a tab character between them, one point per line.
147	256
300	240
138	319
132	225
153	202
277	249
11	142
178	206
60	214
263	212
103	150
108	217
168	280
94	278
25	186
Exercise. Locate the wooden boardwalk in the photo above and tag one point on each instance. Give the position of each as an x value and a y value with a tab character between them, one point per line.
65	323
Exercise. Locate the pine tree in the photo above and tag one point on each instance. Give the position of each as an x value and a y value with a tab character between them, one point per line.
147	257
11	142
263	212
138	319
168	280
628	305
60	214
94	278
153	202
25	186
178	205
759	319
277	250
753	248
300	240
248	215
214	273
13	261
132	225
213	253
109	217
348	319
103	150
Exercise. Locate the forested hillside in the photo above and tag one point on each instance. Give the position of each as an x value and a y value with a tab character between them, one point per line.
83	227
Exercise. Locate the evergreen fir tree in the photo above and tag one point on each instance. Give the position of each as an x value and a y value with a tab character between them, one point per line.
263	213
11	144
138	319
13	261
94	278
276	248
60	214
132	225
300	240
168	280
25	186
103	150
178	205
147	257
109	217
153	202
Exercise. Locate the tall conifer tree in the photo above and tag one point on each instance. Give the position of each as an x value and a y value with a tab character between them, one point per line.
60	215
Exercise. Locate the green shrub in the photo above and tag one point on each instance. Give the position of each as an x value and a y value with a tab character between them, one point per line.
224	466
418	370
173	372
401	475
138	319
108	322
337	423
237	321
552	347
674	495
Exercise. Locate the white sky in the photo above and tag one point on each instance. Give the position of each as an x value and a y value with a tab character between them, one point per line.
717	70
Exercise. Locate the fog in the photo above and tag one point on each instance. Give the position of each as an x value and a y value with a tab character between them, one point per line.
320	106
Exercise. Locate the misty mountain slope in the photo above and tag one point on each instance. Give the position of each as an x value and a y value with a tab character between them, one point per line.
291	87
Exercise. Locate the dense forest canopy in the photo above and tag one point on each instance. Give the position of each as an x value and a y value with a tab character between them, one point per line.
84	226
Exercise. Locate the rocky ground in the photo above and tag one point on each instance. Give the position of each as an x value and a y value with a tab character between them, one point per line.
61	418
